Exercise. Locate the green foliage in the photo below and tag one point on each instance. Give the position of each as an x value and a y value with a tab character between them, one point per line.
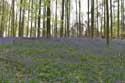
58	62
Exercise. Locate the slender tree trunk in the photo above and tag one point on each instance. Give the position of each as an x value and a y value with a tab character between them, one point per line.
16	25
9	32
88	21
122	19
69	18
102	25
67	15
44	22
2	19
118	25
20	20
62	19
80	28
55	30
31	24
105	19
107	36
48	19
12	19
111	20
27	33
92	18
97	17
36	22
39	19
23	20
77	27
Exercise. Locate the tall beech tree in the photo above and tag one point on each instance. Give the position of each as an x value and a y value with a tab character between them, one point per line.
80	28
13	18
48	19
118	19
39	19
88	12
44	20
92	18
62	19
20	34
107	16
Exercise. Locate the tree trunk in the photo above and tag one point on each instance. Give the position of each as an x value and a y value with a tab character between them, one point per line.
20	19
88	27
92	18
44	22
55	30
62	19
80	29
111	18
39	19
118	25
48	19
107	36
12	19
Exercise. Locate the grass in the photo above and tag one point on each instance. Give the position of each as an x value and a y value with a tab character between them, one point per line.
48	62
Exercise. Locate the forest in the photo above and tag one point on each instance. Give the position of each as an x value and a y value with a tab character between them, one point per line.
62	41
62	18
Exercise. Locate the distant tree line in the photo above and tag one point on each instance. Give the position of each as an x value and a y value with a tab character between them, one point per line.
52	18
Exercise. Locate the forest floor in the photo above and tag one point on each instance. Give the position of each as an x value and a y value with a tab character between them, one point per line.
61	60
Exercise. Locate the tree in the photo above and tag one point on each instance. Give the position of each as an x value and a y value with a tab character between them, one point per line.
55	30
77	18
118	15
20	33
62	19
44	20
23	19
105	34
107	11
92	18
67	18
48	19
97	16
2	19
13	18
111	22
88	19
31	23
28	18
80	30
122	18
39	19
